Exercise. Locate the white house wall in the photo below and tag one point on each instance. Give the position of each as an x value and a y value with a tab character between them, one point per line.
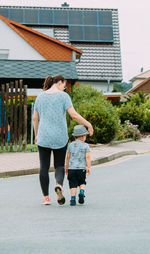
18	48
98	85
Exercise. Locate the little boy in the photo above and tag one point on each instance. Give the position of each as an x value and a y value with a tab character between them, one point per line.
78	162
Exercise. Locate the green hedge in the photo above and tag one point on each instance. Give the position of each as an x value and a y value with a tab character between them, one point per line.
136	110
133	113
92	105
146	123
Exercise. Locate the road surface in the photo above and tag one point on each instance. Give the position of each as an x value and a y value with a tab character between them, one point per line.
114	220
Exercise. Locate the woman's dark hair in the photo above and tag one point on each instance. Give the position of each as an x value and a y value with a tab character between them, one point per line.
49	81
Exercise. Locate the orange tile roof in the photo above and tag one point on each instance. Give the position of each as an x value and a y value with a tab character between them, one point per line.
48	47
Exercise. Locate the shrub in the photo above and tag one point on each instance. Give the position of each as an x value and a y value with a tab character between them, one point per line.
131	130
137	98
120	135
146	123
133	113
92	105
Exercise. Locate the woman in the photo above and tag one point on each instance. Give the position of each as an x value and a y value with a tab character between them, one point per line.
50	128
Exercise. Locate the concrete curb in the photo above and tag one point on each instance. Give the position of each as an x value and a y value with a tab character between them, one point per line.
112	157
94	162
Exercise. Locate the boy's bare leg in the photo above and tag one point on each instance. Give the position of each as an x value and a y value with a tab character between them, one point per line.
73	191
82	187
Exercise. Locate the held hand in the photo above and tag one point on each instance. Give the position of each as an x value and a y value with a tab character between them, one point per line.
66	171
88	171
35	140
90	130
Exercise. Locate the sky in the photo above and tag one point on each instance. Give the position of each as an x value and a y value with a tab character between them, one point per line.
134	26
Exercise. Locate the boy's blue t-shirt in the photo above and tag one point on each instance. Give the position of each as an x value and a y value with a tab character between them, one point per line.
78	150
52	129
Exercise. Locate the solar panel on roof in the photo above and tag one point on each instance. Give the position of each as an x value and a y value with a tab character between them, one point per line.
90	33
4	12
75	17
45	17
84	25
16	15
76	33
105	33
90	18
105	18
30	16
60	17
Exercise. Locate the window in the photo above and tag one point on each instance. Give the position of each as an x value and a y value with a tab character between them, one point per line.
4	53
47	31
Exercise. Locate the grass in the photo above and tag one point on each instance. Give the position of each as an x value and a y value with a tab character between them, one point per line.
28	149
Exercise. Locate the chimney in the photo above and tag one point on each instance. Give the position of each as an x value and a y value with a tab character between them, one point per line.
65	5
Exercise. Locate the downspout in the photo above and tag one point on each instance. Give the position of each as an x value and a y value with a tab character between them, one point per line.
108	85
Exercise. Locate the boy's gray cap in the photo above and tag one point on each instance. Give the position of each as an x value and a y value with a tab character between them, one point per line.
79	130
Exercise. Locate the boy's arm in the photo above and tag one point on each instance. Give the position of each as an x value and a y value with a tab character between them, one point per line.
88	162
67	162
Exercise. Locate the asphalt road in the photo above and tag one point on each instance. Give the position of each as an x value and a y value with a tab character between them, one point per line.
114	220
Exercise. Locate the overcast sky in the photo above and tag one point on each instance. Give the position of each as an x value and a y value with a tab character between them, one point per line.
134	20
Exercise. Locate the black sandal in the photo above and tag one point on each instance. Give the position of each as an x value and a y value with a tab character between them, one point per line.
61	198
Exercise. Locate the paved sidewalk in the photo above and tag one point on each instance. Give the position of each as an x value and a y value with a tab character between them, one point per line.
16	164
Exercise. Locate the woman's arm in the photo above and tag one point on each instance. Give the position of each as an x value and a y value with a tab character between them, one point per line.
35	123
78	118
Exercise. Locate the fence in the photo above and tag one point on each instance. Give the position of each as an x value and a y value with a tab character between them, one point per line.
13	116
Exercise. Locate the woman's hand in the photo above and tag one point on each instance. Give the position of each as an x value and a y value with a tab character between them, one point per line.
35	140
78	118
90	130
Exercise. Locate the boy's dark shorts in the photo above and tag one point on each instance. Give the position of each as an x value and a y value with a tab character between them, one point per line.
76	177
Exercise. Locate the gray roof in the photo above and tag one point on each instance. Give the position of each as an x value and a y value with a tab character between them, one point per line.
36	69
99	61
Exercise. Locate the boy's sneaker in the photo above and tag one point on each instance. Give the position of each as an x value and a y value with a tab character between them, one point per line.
72	202
81	198
46	201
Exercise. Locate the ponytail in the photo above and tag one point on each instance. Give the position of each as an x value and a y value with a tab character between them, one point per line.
49	81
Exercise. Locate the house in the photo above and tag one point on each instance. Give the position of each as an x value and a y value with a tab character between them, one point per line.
144	86
141	83
30	55
94	31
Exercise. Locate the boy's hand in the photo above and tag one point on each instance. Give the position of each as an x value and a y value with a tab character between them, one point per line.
88	171
66	171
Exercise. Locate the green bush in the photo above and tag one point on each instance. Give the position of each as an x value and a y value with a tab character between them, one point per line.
137	98
92	105
132	112
146	124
